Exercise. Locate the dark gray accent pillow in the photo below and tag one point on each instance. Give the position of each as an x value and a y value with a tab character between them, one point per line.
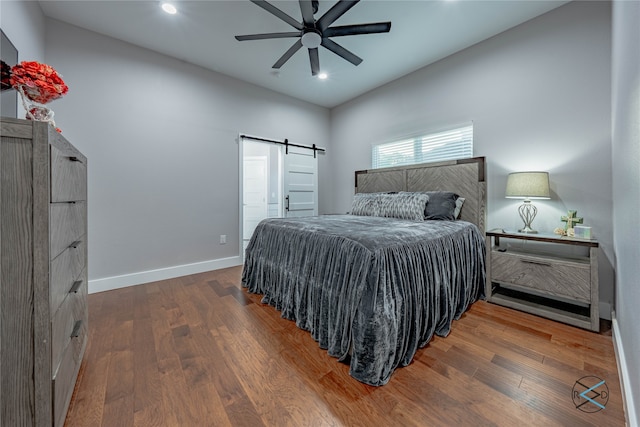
442	205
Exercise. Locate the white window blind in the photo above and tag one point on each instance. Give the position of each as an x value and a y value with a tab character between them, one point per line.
452	144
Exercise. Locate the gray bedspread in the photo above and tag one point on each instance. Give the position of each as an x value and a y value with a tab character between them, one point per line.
375	289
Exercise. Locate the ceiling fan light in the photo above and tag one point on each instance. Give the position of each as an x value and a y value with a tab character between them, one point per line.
323	76
169	8
311	40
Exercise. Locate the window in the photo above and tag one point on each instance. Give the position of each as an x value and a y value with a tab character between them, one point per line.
448	145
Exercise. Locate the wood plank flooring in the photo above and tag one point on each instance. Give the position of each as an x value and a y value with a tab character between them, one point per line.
200	351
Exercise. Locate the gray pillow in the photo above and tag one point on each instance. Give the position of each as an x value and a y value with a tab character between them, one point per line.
403	205
459	203
365	204
391	205
442	205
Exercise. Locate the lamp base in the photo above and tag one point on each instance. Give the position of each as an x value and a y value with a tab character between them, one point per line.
527	213
527	230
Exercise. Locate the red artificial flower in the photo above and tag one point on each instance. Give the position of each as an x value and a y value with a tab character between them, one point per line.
39	82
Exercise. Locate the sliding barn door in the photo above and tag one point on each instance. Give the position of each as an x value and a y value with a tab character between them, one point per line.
300	183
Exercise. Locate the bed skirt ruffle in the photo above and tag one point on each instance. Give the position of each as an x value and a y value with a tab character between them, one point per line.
370	289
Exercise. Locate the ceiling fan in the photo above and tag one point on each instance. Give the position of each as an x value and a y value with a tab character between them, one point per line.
316	32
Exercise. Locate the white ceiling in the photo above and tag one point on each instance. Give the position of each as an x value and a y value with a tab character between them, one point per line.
202	33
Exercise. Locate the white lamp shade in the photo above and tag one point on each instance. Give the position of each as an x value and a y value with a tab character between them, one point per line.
528	185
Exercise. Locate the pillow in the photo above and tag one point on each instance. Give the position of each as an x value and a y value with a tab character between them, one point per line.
459	203
403	205
442	205
365	204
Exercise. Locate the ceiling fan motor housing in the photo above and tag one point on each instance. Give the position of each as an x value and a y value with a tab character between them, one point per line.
311	38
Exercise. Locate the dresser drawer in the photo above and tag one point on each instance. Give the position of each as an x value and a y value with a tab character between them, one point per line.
68	224
69	323
68	176
64	378
65	273
564	278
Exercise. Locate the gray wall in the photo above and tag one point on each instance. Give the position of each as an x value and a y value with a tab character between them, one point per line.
161	138
24	23
626	189
539	98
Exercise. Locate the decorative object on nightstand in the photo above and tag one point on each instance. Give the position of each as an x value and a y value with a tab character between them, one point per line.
570	219
582	232
562	232
527	186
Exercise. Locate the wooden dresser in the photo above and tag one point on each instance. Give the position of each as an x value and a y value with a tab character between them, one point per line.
43	272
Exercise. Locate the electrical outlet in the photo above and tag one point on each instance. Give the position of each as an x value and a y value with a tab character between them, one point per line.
223	239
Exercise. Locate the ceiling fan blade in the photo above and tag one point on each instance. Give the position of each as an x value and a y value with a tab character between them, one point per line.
307	12
268	36
352	30
277	12
340	51
315	61
334	13
288	54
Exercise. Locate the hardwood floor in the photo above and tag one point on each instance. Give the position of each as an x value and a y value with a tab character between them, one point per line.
200	351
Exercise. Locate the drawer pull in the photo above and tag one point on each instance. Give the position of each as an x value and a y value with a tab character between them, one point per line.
75	244
76	329
531	261
75	287
74	159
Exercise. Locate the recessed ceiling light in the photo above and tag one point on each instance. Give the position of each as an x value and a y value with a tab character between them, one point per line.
169	8
323	76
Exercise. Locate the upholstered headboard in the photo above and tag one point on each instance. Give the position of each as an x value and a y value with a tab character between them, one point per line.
465	177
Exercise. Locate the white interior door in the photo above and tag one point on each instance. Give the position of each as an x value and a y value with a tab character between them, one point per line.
254	209
300	183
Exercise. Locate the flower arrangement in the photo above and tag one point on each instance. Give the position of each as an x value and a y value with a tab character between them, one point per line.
38	82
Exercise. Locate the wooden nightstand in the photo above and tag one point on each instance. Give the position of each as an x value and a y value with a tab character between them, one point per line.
544	274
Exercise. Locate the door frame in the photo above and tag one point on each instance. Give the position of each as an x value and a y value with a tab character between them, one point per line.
241	139
241	156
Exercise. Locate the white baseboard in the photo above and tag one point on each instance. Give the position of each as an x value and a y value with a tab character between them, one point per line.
116	282
623	372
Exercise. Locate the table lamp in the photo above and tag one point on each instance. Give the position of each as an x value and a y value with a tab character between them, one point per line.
527	186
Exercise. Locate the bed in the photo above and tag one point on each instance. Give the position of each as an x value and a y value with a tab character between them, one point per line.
373	289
